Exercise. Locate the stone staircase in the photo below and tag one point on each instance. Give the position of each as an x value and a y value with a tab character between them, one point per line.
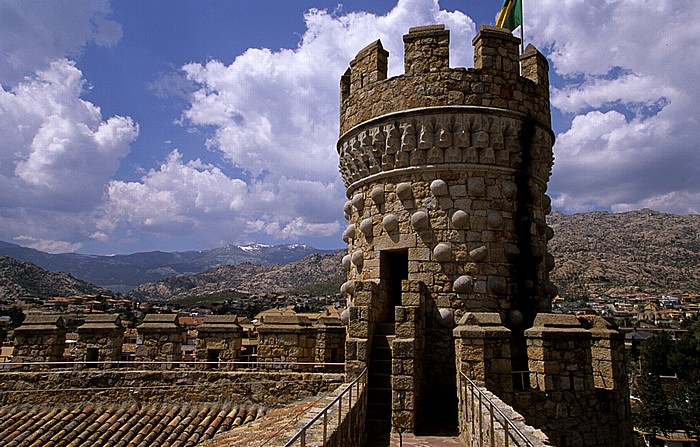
379	381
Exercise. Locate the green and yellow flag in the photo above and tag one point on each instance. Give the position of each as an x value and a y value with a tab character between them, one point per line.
511	15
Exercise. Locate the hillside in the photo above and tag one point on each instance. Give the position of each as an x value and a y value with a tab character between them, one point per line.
23	279
635	252
596	253
316	274
121	273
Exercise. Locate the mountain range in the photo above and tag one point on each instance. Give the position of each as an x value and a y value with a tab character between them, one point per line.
122	273
598	253
23	279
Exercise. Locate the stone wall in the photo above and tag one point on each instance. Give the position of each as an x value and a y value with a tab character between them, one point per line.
40	339
159	340
482	424
330	341
100	339
268	389
285	340
219	339
428	81
446	171
561	397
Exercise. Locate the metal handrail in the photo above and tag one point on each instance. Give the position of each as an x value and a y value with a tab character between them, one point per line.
360	381
507	424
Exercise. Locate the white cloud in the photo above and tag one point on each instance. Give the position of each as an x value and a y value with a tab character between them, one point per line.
630	86
35	33
274	115
48	246
56	156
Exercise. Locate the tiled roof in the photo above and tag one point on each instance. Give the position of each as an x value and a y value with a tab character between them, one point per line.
85	425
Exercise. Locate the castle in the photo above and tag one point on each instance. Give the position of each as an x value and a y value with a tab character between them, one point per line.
449	325
446	171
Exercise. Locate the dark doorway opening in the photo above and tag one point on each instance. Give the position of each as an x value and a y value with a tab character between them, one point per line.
92	355
393	267
213	358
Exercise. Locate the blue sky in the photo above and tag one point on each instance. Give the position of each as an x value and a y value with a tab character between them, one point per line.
180	125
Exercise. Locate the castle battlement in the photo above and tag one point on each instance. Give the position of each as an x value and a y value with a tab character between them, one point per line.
428	80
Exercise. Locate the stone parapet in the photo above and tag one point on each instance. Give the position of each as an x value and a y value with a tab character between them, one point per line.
40	339
100	339
559	353
266	388
482	348
219	339
287	340
429	82
330	340
159	340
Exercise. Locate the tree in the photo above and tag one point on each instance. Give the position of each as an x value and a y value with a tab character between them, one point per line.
16	316
686	401
652	413
656	353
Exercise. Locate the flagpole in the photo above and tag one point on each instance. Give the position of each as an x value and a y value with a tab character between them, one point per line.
522	25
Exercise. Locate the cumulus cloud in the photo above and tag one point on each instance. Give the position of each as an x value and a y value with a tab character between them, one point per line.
633	102
274	115
35	33
56	157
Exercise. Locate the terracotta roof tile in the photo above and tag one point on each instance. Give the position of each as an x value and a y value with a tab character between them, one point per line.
165	425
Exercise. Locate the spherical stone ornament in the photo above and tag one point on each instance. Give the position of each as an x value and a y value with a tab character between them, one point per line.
551	289
463	284
460	220
549	233
494	219
476	186
510	190
549	262
390	223
403	191
348	288
420	220
377	194
366	227
547	203
347	210
511	252
358	201
345	317
346	263
442	252
439	188
358	258
515	317
479	254
497	285
445	316
349	233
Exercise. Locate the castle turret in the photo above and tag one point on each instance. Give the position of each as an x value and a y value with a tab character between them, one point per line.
446	171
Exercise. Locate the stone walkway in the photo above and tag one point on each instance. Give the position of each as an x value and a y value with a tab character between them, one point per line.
410	440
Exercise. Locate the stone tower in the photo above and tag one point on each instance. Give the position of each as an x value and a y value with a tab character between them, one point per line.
446	171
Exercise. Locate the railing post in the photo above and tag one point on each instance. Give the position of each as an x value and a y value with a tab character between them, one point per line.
325	426
493	426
